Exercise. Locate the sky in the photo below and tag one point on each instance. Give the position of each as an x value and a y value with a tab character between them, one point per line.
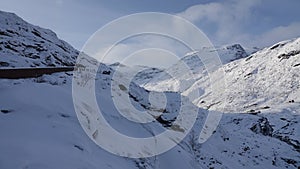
252	23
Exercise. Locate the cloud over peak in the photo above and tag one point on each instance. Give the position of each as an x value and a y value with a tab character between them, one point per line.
234	21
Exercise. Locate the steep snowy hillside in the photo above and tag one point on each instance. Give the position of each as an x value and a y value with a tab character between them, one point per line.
39	129
25	45
164	82
39	117
265	79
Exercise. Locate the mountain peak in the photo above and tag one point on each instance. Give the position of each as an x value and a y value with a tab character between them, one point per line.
235	47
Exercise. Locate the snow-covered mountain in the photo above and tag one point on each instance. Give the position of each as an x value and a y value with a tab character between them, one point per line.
39	127
164	82
266	78
227	53
25	45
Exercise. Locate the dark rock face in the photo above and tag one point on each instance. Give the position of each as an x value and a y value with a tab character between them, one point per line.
289	54
265	128
262	127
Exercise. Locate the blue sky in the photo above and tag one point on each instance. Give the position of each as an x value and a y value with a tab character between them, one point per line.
249	22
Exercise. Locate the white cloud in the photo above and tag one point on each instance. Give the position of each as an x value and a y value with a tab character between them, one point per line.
154	51
234	21
152	57
278	34
229	17
210	11
144	31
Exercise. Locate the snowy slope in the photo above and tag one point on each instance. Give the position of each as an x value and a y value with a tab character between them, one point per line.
25	45
39	127
39	117
164	82
264	79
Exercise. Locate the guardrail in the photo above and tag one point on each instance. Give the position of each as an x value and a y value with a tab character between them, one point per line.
19	73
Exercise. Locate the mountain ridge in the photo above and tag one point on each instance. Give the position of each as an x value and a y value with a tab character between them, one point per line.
26	45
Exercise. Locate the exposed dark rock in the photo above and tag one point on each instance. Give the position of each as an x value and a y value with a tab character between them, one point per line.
36	33
4	64
289	141
106	72
288	55
165	122
262	127
64	115
290	161
291	101
6	111
78	147
276	46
